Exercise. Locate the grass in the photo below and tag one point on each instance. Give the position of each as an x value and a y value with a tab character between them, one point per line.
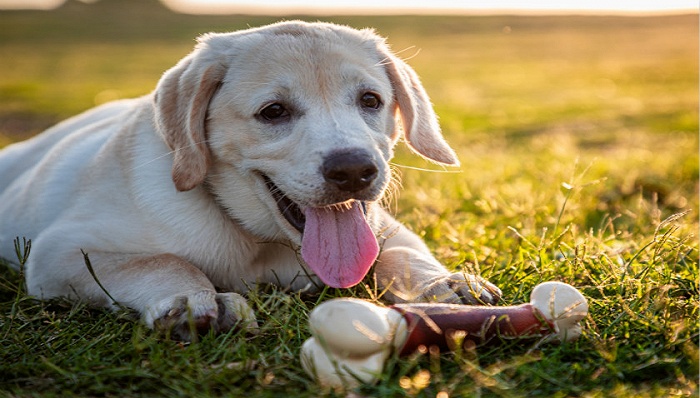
579	148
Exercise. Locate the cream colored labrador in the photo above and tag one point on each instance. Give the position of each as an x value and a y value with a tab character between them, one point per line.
259	158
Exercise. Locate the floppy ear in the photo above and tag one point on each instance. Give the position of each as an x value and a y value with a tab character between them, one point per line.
181	101
420	125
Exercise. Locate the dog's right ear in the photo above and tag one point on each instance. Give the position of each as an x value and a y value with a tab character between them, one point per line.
420	125
181	102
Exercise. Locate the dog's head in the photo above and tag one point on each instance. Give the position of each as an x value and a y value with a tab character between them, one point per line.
291	127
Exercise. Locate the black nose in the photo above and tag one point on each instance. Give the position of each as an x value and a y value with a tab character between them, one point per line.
350	171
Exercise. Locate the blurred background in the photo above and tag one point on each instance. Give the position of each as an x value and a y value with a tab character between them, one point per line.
390	6
77	54
524	93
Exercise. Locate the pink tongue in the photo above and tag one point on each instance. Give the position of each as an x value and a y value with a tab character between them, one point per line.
338	245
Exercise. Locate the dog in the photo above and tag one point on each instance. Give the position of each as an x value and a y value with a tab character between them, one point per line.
261	157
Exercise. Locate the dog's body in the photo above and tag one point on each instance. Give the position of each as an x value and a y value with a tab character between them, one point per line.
260	148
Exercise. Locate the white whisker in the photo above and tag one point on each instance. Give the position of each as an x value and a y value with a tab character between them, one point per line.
415	54
387	60
403	166
391	193
383	62
405	49
166	154
153	160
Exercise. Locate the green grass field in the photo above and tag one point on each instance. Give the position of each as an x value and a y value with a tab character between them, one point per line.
578	138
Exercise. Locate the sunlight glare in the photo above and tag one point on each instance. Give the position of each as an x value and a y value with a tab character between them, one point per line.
280	7
423	6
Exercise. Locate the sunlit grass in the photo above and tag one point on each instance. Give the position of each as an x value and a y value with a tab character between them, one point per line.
579	149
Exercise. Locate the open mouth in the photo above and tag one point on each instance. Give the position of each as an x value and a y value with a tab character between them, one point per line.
337	242
290	210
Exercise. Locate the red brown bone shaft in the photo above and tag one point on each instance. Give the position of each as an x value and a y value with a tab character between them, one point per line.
435	324
352	339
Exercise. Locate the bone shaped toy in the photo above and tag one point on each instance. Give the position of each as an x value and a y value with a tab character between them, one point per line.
352	338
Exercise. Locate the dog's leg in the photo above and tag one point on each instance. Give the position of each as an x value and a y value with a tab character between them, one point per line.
170	293
409	273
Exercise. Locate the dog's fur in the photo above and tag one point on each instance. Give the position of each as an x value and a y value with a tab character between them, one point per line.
170	194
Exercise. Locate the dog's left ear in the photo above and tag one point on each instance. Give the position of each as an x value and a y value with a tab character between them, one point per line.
182	99
420	125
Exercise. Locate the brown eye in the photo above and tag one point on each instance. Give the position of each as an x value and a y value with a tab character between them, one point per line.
370	100
274	112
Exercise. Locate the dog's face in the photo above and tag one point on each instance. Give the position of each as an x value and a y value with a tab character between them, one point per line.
306	109
291	128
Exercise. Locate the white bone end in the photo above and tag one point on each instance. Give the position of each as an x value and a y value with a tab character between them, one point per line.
352	340
563	305
356	328
339	373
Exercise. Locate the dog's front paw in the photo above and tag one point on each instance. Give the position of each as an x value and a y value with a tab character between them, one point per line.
186	317
457	288
234	311
463	288
411	276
